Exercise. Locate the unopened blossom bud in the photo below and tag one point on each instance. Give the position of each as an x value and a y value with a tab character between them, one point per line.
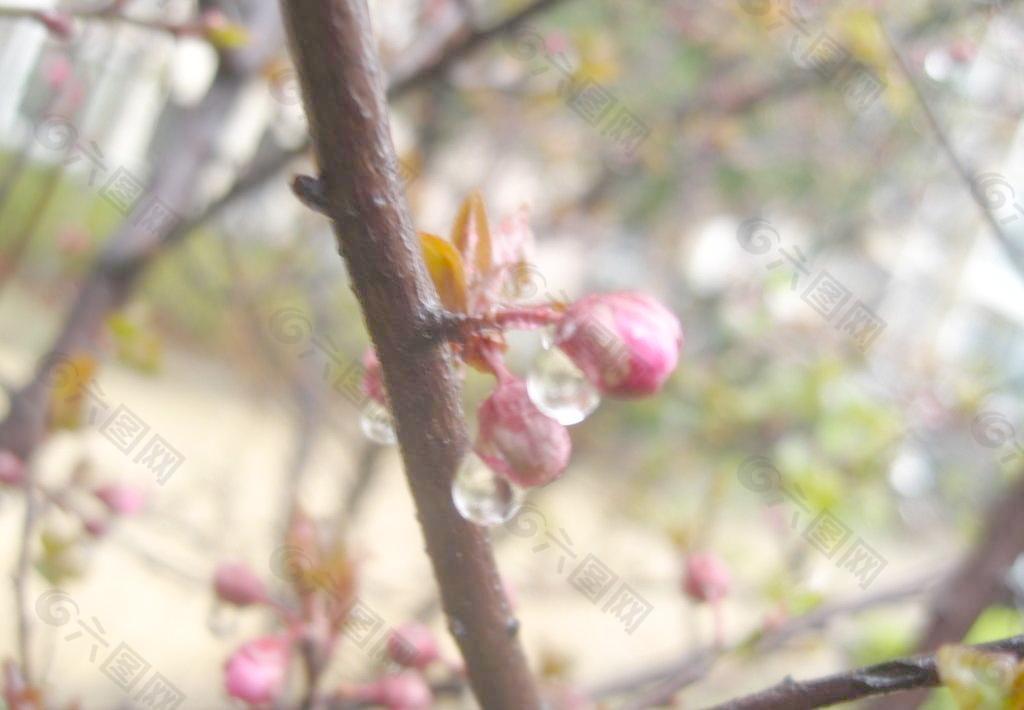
626	343
373	385
96	527
57	70
413	645
403	691
236	584
12	469
568	697
519	441
706	578
59	24
256	671
121	499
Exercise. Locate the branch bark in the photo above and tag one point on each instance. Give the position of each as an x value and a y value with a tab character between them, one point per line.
888	677
334	52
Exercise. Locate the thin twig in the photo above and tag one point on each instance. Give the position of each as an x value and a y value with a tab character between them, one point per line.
959	166
23	571
672	677
879	679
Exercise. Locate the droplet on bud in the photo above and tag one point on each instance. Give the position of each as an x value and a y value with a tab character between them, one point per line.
547	337
483	496
560	389
375	421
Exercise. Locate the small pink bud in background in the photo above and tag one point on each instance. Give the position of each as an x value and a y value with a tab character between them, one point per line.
373	385
511	595
413	645
12	470
568	697
96	527
236	584
60	24
519	441
626	343
962	50
121	498
706	579
774	618
213	19
73	240
57	70
403	691
256	671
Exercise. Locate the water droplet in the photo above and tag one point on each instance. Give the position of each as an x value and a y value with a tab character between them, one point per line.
482	496
547	337
375	421
559	389
456	627
222	620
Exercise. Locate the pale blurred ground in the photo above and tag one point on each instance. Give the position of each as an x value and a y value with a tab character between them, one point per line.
147	583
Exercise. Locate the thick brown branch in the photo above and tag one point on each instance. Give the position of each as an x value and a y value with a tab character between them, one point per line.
888	677
334	52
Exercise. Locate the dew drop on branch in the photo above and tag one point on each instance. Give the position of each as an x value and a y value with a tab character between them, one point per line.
482	496
376	423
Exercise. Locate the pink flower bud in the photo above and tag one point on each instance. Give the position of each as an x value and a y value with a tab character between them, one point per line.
706	579
120	498
57	70
236	584
12	470
403	691
626	343
59	24
568	697
73	240
96	527
517	440
511	594
373	385
413	645
255	672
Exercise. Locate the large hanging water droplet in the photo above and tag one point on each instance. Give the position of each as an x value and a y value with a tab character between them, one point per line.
547	337
483	496
375	421
222	620
559	389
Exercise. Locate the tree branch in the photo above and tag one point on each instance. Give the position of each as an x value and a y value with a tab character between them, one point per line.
334	52
888	677
665	680
963	172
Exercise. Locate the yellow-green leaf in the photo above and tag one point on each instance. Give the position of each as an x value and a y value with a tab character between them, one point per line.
976	680
226	36
71	379
136	346
446	271
471	234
